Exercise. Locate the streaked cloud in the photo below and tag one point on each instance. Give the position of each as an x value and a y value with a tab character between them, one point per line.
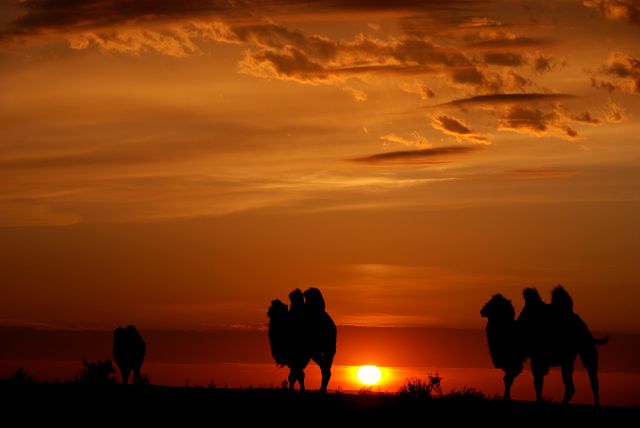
511	59
541	173
436	155
506	99
510	42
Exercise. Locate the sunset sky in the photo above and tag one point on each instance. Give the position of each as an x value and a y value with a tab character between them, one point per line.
177	165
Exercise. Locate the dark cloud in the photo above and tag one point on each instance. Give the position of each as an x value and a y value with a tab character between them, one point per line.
74	15
506	99
326	59
425	156
603	84
291	64
621	72
524	118
545	63
510	59
456	128
275	51
584	117
530	120
385	5
616	9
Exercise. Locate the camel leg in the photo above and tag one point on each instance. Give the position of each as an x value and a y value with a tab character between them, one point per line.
590	362
136	376
326	375
567	379
292	379
325	363
125	372
538	381
296	375
326	372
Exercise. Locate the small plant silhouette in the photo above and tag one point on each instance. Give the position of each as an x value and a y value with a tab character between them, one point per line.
97	373
144	379
434	383
418	388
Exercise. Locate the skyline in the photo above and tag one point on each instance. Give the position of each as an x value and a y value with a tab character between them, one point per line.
179	165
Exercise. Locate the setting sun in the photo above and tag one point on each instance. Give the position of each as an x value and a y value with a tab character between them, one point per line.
369	375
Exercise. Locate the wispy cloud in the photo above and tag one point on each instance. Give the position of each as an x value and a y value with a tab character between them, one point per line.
528	120
417	87
413	140
628	10
457	128
621	72
542	173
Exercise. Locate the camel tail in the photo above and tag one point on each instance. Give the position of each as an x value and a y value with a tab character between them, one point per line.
602	341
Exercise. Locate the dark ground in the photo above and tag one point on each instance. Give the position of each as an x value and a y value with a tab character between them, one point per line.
75	404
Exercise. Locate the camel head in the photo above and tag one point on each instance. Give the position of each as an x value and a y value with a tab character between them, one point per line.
277	310
498	307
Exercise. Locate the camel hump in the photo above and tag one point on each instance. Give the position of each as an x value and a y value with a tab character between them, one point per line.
127	340
314	300
560	298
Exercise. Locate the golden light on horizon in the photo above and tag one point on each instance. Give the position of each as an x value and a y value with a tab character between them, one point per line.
369	375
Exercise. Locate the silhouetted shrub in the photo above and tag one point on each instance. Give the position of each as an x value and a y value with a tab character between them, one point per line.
366	391
20	377
415	387
467	394
97	373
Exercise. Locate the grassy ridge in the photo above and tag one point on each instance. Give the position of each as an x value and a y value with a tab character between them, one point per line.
77	404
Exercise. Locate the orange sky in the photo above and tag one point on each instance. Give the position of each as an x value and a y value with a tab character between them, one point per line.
177	165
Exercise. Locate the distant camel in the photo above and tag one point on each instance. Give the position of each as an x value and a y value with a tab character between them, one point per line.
128	352
550	335
305	332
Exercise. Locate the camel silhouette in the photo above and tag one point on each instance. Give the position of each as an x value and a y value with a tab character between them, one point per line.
128	352
555	336
300	333
550	335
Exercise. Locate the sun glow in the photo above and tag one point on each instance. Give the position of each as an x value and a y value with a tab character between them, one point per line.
369	375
